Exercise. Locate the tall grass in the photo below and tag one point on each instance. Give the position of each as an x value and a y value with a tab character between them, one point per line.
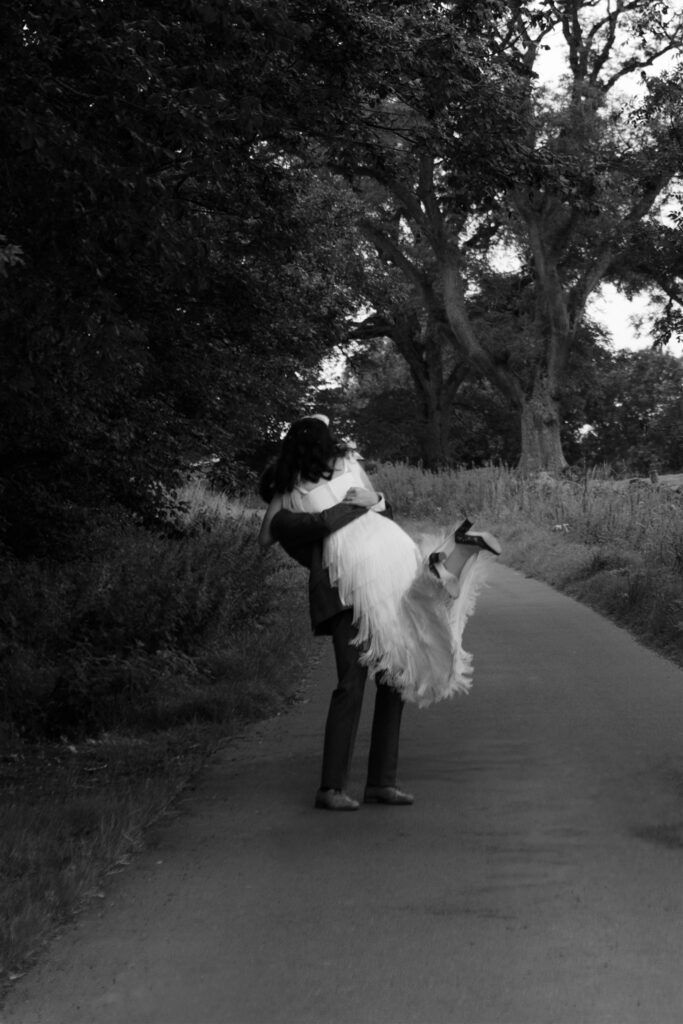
142	631
616	545
199	505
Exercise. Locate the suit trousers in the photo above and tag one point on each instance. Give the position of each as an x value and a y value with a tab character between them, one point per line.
344	715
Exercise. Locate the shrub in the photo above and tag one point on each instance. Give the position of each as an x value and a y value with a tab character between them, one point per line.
142	630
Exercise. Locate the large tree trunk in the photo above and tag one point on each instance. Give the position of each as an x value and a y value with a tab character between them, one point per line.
539	414
541	444
434	433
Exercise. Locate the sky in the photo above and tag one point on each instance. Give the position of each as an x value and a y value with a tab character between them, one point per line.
616	313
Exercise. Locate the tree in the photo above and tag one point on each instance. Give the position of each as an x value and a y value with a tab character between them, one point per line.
635	413
484	157
403	52
378	406
162	267
417	337
421	337
375	404
573	229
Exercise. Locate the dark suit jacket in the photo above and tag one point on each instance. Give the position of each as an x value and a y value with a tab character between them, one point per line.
301	534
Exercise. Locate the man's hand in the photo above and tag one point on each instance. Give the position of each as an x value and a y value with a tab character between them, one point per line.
361	497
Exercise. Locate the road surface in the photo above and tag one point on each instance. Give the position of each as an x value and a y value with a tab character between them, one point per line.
538	879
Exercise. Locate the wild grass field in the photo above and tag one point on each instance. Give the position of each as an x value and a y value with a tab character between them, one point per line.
617	545
125	668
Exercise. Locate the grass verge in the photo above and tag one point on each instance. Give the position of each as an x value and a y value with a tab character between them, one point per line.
124	672
615	545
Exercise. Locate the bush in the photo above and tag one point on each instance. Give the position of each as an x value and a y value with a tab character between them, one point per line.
143	630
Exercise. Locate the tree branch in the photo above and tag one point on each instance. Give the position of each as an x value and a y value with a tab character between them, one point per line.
373	326
571	29
634	64
457	377
466	341
390	251
611	19
651	189
485	233
427	195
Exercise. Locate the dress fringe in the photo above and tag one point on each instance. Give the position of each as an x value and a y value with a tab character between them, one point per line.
408	626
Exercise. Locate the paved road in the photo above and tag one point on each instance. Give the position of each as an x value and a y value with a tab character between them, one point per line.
537	880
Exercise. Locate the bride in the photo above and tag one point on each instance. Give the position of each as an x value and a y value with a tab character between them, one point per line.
409	625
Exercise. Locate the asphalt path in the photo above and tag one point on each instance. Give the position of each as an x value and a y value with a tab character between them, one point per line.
538	879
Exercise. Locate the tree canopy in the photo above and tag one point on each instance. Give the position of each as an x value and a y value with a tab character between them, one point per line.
634	413
567	184
171	276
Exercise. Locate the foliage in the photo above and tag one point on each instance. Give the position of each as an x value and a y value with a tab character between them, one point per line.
141	631
163	264
377	406
636	413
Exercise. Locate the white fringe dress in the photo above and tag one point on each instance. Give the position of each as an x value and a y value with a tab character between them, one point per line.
408	624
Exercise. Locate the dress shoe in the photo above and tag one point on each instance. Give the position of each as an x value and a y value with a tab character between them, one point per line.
387	795
335	800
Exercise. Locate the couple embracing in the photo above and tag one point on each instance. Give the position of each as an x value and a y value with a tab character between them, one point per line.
371	591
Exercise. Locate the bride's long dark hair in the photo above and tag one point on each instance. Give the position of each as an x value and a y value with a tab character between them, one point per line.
309	451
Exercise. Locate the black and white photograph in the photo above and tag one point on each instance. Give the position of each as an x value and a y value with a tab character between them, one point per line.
341	512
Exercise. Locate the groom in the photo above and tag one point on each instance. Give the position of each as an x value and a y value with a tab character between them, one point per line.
301	535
